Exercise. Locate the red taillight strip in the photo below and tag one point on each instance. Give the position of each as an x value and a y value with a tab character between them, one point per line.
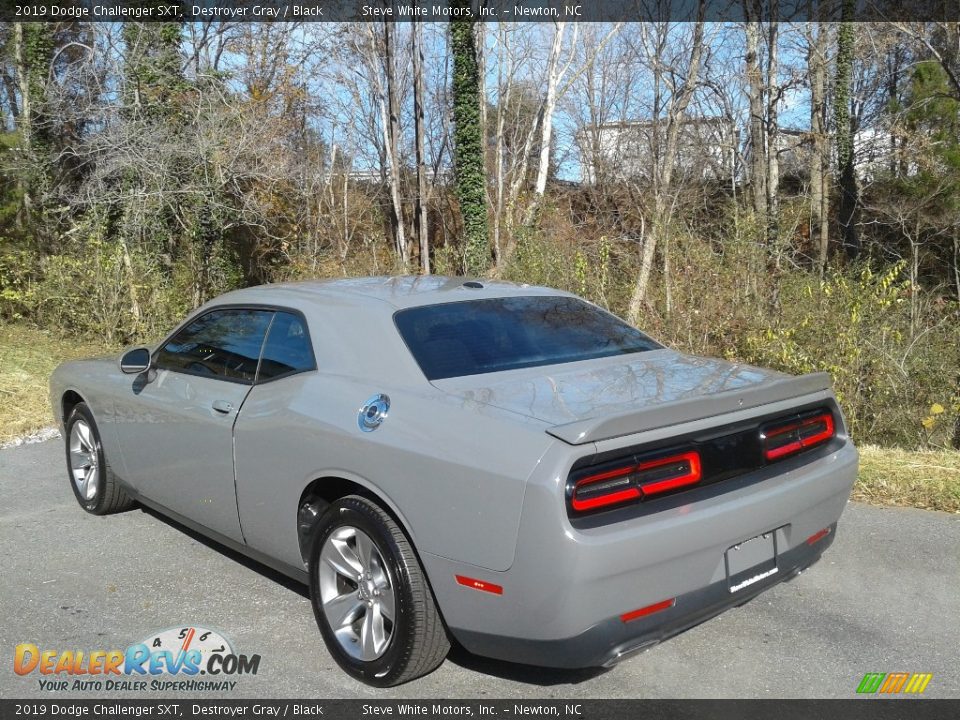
800	443
691	477
648	610
479	584
818	536
637	488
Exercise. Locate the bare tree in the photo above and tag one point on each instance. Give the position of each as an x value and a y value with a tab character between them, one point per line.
418	99
818	43
679	87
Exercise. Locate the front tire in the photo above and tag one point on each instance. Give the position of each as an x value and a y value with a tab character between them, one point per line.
93	482
371	599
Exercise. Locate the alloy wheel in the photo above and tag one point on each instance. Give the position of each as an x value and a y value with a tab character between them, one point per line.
84	460
356	593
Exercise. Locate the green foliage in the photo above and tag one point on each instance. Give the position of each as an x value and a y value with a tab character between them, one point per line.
17	274
892	354
934	115
841	90
38	47
153	62
468	157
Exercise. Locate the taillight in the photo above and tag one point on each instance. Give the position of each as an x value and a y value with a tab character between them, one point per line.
636	481
781	440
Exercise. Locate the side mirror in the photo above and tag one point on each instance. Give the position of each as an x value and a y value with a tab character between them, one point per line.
135	361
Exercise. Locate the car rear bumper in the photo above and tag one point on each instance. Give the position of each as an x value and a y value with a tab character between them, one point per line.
561	602
613	640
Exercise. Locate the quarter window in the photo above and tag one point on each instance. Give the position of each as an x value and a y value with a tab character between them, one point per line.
222	344
287	349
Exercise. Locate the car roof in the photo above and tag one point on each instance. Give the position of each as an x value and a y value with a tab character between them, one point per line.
396	292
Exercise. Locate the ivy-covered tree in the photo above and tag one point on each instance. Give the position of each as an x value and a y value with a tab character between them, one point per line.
34	46
468	141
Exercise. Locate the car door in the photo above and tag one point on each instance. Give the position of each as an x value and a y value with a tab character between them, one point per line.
176	424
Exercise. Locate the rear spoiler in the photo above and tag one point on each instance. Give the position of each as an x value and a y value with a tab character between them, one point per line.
642	419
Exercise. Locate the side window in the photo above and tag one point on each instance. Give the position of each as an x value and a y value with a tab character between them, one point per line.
287	349
221	344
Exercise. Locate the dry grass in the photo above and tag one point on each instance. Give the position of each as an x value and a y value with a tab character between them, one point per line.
922	479
27	357
928	479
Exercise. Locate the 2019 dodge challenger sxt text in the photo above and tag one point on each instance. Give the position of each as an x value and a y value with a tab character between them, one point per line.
507	464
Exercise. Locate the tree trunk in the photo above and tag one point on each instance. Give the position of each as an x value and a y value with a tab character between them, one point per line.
393	135
664	167
773	131
468	142
816	63
758	148
549	106
849	192
418	94
819	195
24	124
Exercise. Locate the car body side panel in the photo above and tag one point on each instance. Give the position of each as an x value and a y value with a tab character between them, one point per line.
456	480
178	449
97	382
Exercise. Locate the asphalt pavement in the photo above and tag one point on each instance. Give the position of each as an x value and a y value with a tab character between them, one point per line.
885	598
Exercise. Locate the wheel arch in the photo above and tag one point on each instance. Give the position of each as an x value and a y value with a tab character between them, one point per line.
68	401
323	491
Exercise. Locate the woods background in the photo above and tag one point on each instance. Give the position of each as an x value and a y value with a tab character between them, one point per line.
781	194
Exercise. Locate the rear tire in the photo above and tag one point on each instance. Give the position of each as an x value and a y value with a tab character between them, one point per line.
94	485
371	599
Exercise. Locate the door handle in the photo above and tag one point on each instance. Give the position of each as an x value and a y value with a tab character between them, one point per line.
222	406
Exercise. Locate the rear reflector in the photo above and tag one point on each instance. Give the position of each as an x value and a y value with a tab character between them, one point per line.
479	584
648	610
786	439
633	482
818	536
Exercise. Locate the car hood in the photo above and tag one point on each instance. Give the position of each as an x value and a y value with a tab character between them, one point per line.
598	399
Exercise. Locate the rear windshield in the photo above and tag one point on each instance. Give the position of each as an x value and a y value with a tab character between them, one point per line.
484	336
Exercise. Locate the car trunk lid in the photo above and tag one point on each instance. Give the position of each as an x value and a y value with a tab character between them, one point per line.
596	400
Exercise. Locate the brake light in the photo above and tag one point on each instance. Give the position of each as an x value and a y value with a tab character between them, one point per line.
636	481
782	440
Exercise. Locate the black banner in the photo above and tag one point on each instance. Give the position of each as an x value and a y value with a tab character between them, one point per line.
484	10
854	709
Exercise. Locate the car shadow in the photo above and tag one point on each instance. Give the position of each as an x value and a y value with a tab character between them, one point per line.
238	557
515	672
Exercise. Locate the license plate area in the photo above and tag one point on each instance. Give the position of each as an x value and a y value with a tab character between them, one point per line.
751	561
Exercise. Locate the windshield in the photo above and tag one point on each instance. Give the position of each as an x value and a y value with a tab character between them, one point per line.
485	336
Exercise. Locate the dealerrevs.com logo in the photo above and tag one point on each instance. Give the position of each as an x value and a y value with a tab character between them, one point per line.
183	659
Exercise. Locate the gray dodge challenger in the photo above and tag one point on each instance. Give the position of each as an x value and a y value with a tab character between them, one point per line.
506	466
